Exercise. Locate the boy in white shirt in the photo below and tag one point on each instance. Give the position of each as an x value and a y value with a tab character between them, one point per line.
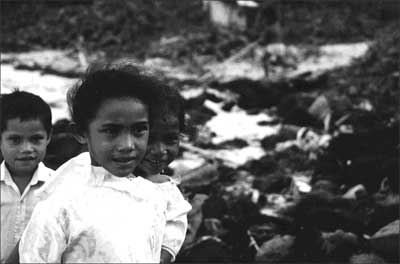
25	133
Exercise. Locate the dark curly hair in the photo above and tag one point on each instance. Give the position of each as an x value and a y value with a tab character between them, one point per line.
170	100
103	82
173	103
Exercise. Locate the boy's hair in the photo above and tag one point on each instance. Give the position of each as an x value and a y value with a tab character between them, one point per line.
25	106
104	82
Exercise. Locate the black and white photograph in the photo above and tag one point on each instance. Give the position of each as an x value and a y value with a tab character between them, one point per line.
200	131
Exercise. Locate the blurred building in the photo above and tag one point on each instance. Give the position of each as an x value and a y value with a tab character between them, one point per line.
237	14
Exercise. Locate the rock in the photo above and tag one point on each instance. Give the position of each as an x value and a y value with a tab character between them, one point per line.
385	242
50	61
200	114
300	185
254	94
308	246
233	144
214	207
293	159
362	158
356	192
242	186
275	250
340	245
311	141
327	212
366	258
362	121
325	186
208	249
202	176
238	239
272	183
213	227
391	169
293	108
284	134
195	218
244	211
264	232
377	213
261	167
321	110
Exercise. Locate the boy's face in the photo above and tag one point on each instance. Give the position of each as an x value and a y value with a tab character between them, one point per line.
163	145
23	145
117	136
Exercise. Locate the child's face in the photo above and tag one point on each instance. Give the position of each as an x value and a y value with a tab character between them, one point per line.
117	136
163	145
23	145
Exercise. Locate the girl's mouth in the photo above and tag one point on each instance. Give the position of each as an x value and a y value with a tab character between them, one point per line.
124	160
155	162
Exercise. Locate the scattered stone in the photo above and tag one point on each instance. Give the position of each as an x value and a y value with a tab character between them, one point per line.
275	250
366	258
195	218
207	249
385	242
200	177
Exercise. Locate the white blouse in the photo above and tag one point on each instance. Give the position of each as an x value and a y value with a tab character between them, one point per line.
107	219
177	209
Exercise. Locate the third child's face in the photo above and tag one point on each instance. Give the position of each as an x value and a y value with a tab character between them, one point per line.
117	136
23	145
163	145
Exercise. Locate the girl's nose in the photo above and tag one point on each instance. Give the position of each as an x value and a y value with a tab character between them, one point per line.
158	149
126	143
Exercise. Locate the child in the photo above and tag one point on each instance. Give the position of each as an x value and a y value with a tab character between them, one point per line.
162	149
115	216
25	133
165	131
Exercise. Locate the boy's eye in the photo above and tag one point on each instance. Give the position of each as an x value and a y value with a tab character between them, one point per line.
172	139
37	139
14	140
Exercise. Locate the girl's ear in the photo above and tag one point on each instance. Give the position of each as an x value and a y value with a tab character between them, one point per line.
78	134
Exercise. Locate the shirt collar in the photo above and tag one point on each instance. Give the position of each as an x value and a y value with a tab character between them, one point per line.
102	175
4	173
41	174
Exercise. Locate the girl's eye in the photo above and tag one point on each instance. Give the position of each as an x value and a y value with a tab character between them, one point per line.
172	139
109	131
140	129
14	140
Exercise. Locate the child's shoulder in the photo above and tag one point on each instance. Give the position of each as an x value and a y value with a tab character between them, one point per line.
73	171
45	171
159	178
164	179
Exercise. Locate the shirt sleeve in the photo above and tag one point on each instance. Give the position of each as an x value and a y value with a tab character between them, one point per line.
176	226
44	239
